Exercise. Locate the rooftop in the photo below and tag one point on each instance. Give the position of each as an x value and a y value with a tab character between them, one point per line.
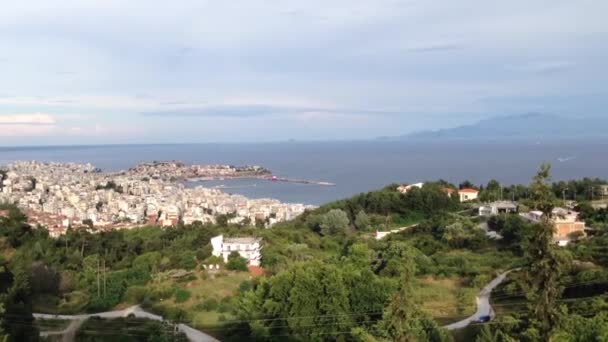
468	190
242	240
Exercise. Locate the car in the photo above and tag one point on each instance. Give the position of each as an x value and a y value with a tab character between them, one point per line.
483	319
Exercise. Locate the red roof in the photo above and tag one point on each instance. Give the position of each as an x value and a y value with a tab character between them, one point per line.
468	190
256	271
448	190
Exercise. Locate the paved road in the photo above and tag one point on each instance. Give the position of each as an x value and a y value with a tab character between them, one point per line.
70	332
483	304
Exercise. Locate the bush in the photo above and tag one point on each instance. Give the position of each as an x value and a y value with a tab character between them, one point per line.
236	262
182	295
209	304
224	307
187	260
135	294
162	293
214	260
245	286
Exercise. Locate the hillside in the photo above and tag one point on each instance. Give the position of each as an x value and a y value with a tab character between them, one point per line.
325	275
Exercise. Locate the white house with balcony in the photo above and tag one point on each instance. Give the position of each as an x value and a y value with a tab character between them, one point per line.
247	247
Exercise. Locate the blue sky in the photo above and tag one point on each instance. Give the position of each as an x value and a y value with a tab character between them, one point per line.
114	71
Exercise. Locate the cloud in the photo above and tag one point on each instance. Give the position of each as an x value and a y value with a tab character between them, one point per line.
45	125
435	47
413	60
543	67
18	125
244	111
27	119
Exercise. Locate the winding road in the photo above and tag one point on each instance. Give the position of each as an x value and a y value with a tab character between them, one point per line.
69	333
483	303
483	309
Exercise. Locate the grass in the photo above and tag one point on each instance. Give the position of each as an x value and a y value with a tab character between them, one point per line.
209	318
446	299
128	329
71	303
201	289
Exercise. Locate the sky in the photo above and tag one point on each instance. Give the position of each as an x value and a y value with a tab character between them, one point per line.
115	71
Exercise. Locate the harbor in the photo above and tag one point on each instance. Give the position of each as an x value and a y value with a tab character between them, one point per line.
299	181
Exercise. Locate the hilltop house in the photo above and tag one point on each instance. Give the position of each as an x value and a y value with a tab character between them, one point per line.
405	188
495	208
467	194
566	223
247	247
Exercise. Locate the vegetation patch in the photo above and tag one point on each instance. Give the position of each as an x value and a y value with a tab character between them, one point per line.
446	299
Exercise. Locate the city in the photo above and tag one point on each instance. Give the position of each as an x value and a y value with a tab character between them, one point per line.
62	195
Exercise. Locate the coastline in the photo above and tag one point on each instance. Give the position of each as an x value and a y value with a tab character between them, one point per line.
63	195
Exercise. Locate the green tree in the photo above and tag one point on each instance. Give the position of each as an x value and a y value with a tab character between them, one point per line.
334	222
362	221
3	337
492	192
403	319
545	262
487	334
236	262
581	329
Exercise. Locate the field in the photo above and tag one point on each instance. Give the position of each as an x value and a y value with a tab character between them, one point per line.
127	329
446	299
72	303
203	300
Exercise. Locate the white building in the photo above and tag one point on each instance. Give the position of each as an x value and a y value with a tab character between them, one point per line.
468	194
247	247
405	188
495	208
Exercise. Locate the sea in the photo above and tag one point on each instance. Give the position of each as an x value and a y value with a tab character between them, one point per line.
354	166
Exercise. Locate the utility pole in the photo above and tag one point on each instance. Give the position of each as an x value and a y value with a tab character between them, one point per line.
98	287
104	278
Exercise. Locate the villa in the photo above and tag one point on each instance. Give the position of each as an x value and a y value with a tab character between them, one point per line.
468	194
247	247
566	223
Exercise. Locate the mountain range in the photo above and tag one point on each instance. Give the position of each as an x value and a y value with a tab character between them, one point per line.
525	126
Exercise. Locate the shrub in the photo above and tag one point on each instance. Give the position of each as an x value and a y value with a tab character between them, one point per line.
135	294
245	286
182	295
236	262
209	304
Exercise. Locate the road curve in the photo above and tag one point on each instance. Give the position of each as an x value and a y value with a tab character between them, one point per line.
483	303
192	334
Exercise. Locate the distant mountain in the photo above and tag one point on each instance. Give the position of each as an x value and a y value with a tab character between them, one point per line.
526	126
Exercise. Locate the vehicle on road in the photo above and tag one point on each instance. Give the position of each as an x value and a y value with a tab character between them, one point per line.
483	319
